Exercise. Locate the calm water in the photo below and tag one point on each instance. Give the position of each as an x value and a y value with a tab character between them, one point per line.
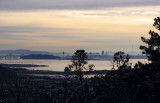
59	65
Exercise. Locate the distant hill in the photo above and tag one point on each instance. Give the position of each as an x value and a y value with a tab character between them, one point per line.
22	52
39	56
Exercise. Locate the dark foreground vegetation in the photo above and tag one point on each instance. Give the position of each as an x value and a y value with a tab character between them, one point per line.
124	84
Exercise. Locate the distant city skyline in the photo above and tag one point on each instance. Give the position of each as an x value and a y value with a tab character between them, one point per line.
68	25
28	54
62	53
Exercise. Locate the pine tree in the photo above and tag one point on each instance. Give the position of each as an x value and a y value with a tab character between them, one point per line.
152	50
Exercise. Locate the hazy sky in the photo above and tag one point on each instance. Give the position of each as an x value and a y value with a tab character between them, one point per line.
68	25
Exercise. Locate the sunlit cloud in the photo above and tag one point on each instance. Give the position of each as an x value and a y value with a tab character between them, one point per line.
145	20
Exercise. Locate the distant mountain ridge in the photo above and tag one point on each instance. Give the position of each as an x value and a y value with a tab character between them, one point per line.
22	52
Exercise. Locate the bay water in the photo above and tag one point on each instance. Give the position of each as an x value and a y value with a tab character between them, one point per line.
59	65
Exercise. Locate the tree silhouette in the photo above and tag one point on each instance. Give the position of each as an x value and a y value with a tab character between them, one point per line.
121	60
79	62
152	50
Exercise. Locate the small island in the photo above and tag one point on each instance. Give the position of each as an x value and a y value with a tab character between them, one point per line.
39	56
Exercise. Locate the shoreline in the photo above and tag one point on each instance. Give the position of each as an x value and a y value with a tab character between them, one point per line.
21	70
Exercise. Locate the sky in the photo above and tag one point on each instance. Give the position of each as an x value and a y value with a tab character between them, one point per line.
68	25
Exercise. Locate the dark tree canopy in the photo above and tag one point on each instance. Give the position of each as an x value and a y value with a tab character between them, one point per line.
79	59
152	50
157	23
121	60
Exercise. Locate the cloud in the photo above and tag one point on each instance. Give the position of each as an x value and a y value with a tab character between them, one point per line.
29	29
71	4
30	32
